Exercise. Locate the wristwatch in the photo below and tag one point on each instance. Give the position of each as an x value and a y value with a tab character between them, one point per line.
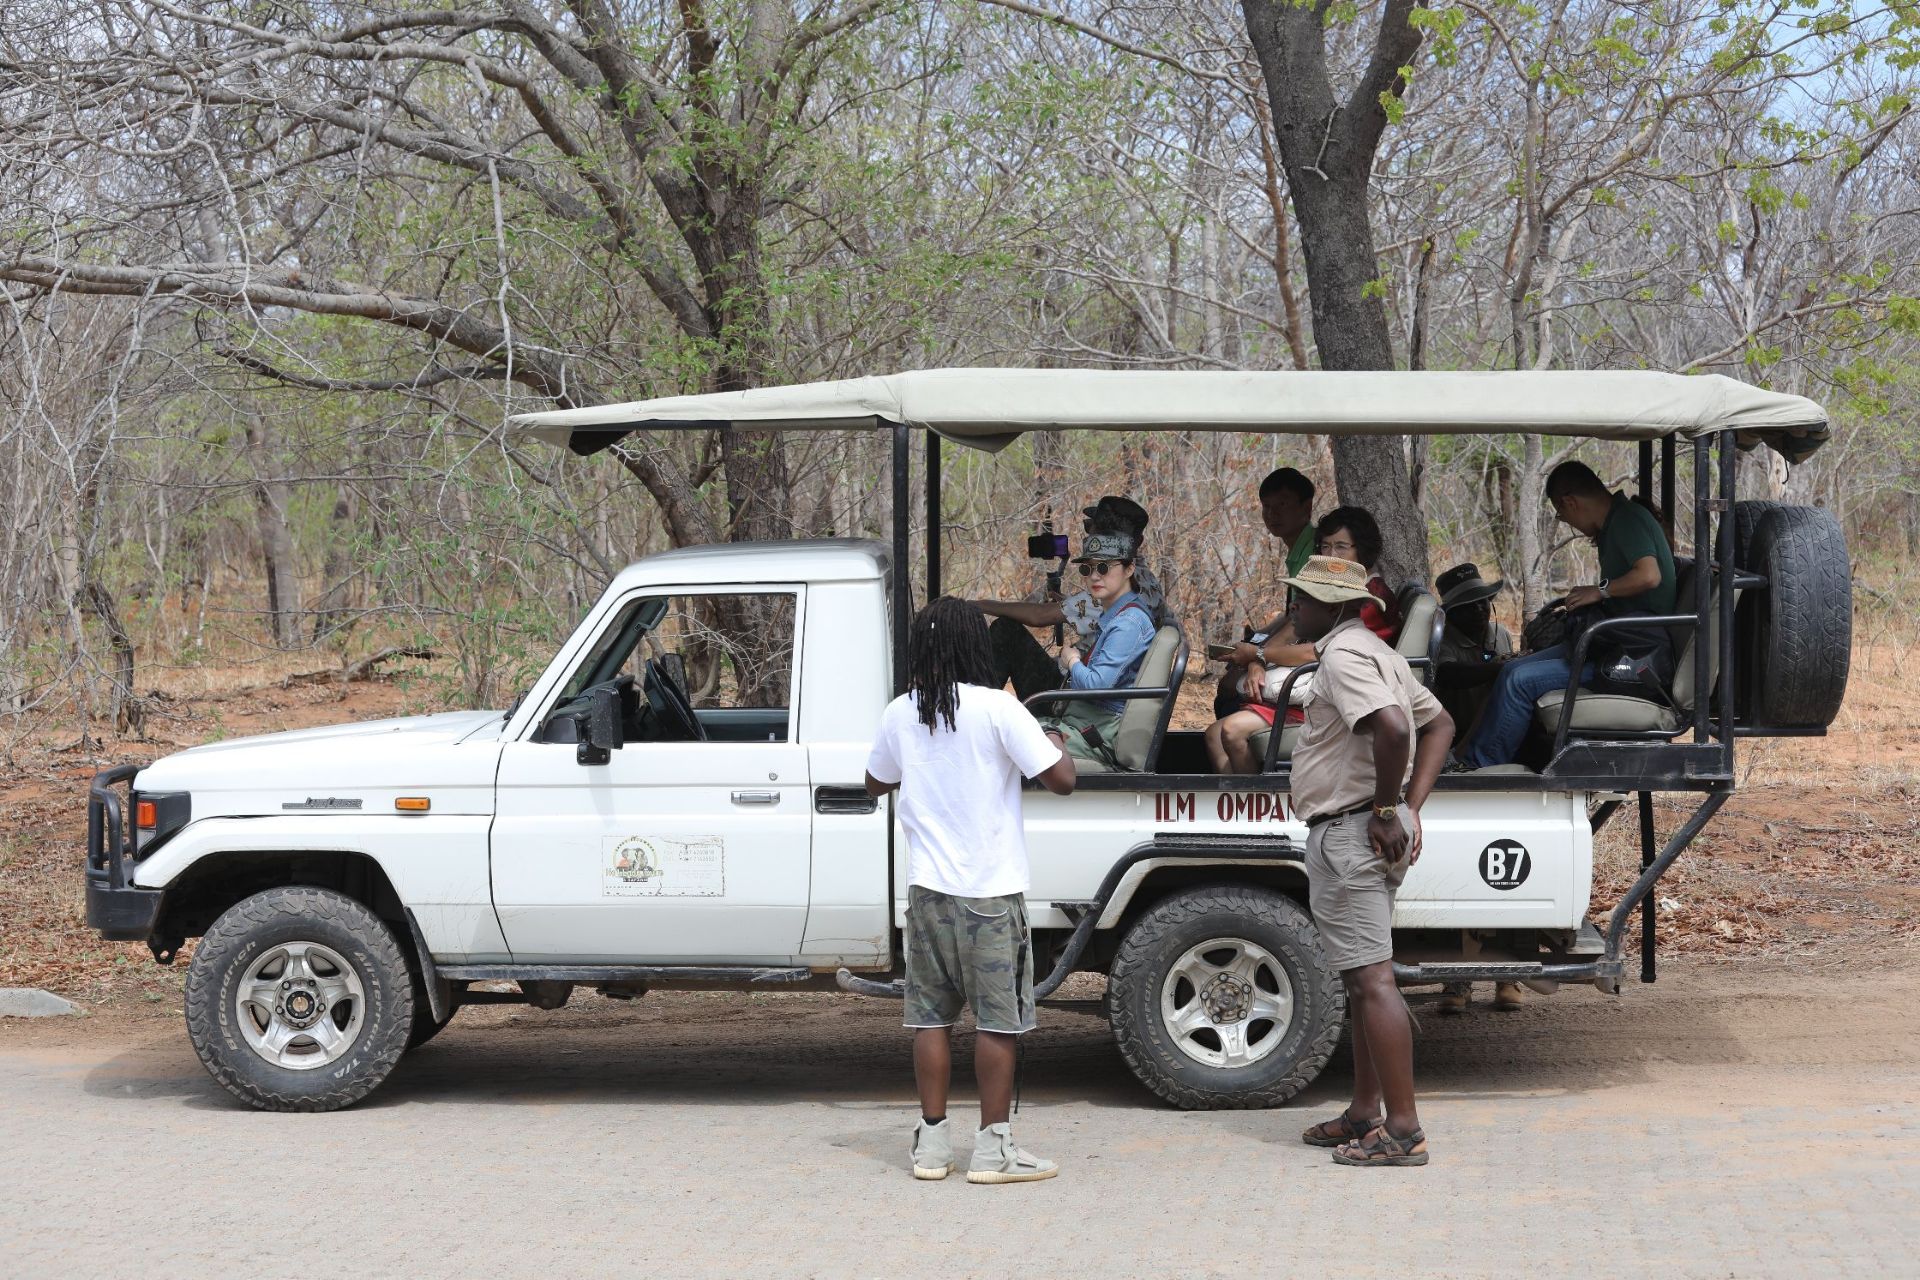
1605	594
1386	811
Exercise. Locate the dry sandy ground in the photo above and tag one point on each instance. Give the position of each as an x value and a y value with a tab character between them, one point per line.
1726	1122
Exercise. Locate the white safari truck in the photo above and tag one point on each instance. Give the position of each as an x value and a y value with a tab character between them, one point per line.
678	800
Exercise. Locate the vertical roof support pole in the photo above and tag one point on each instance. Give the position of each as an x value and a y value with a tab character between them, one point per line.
1667	515
902	570
934	534
1646	470
1728	482
1702	581
1647	943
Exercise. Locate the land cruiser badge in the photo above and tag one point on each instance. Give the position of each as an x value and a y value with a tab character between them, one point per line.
1504	864
321	804
663	867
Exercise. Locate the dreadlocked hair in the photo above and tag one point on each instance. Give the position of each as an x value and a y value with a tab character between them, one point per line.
947	646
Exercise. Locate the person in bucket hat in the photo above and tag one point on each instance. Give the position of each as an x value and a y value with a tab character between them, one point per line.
1372	744
1472	649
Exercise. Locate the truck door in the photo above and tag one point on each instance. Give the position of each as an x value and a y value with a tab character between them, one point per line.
689	845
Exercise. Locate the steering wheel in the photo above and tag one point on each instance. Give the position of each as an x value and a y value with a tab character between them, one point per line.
669	701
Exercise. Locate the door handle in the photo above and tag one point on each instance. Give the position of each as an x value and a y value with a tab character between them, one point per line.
756	797
843	800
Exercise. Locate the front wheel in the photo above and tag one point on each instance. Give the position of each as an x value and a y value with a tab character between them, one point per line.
1220	998
299	999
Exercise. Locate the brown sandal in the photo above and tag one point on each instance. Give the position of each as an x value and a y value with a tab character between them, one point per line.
1340	1130
1382	1148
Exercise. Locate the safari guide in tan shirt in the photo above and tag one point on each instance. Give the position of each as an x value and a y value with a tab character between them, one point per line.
1373	742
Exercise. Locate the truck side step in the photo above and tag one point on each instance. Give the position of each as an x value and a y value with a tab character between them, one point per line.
622	973
1505	971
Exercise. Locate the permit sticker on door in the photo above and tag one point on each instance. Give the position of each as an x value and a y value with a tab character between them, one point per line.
663	867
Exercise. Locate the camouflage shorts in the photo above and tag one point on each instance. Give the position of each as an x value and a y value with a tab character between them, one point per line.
972	951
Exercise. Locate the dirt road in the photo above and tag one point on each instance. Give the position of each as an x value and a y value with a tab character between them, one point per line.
1723	1123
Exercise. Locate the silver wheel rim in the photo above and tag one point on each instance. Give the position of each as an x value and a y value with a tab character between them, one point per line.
1227	1003
300	1005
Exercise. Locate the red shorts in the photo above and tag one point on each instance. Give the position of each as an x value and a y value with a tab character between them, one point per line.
1294	714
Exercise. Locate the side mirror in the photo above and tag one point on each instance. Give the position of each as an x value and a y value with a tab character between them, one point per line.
598	723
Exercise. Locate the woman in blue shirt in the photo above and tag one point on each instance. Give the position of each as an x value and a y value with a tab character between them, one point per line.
1121	636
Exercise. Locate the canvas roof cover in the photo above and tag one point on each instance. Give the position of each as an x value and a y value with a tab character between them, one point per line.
989	408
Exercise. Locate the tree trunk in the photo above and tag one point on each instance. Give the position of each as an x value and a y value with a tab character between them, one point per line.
1327	148
98	601
336	571
276	542
1529	548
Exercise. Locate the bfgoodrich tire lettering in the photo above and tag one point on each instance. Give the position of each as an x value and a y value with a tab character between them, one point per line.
1169	930
277	918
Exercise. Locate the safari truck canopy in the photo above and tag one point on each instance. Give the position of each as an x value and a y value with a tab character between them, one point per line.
989	408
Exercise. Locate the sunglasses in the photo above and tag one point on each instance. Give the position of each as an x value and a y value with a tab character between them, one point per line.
1100	567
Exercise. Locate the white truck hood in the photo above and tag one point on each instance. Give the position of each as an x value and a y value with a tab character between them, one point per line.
449	759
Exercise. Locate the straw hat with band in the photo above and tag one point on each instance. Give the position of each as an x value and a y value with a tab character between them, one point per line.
1332	580
1463	584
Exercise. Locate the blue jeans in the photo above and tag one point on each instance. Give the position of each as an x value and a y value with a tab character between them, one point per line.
1503	726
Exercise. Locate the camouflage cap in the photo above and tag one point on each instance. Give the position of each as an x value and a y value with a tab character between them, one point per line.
1106	546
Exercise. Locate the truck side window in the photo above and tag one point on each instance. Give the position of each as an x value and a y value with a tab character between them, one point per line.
735	648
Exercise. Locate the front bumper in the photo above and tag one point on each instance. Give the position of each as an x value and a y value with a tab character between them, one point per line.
117	909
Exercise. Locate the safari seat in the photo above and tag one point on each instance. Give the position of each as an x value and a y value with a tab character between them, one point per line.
1142	719
1289	738
1600	715
1420	624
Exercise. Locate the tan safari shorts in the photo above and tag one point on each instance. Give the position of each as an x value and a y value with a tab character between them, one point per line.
1351	892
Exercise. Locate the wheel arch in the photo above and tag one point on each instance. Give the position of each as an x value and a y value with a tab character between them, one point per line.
1150	881
213	882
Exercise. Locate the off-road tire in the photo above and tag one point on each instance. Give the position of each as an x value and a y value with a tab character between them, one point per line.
1747	514
288	914
1163	933
1796	634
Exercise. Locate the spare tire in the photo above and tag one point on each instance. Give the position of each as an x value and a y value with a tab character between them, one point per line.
1747	514
1796	633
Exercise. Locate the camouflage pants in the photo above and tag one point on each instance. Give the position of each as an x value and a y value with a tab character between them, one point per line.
972	951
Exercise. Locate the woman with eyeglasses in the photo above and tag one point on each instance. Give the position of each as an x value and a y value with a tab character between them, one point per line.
1345	533
1120	636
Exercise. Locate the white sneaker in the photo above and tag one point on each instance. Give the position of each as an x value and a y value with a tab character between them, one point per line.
932	1150
996	1159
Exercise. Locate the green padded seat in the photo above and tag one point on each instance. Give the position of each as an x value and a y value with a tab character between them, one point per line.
1142	716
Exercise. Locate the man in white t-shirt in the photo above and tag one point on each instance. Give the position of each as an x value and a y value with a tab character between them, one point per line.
956	749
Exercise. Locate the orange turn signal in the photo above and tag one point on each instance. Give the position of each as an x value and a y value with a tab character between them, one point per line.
146	815
412	804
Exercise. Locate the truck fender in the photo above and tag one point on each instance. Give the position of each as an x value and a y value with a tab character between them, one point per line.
443	883
1136	874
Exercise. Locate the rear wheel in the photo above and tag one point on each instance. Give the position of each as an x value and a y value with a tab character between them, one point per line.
1220	998
299	999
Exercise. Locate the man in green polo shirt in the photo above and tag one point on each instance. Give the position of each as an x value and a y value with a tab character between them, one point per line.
1636	577
1286	509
